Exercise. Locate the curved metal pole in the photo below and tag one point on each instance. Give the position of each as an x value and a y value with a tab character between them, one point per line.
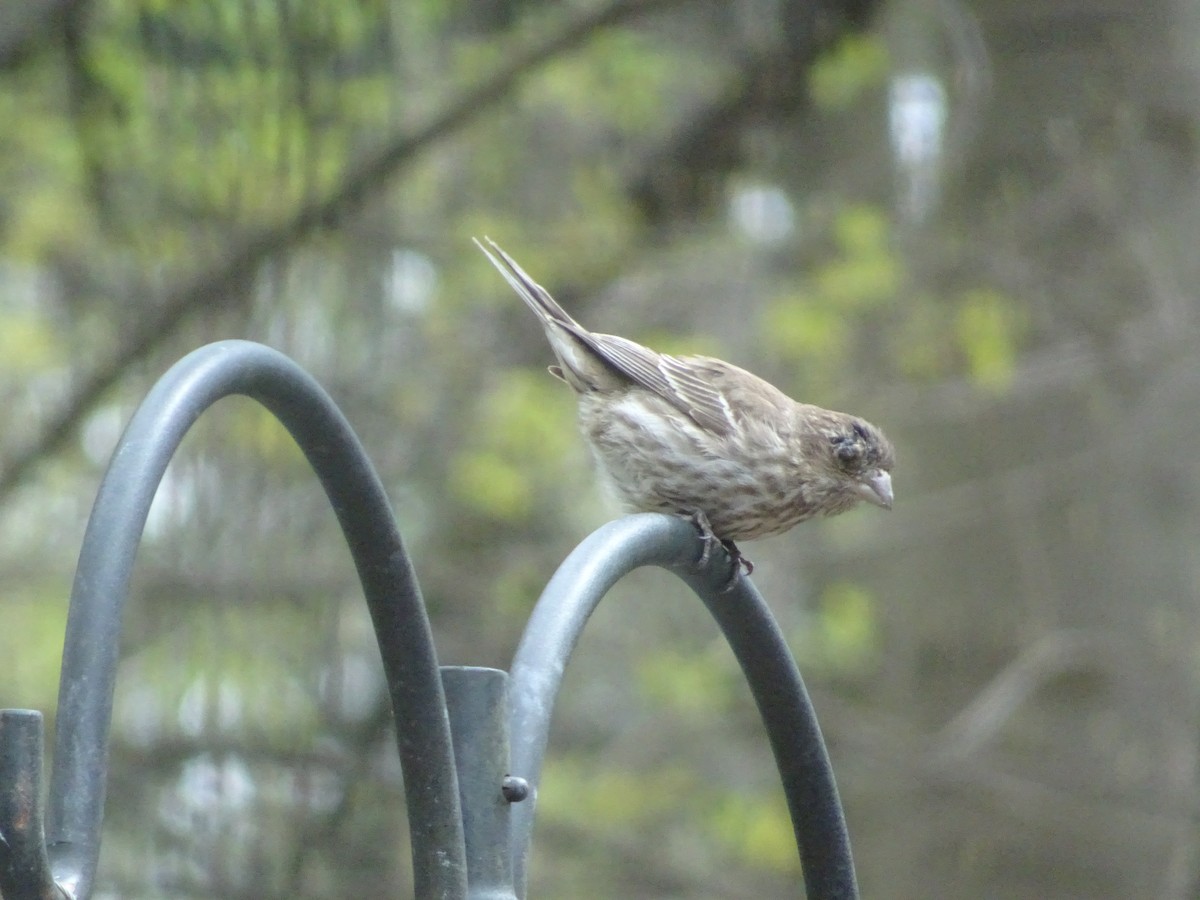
753	635
76	803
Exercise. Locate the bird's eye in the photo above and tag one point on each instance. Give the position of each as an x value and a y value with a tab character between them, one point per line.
860	430
848	452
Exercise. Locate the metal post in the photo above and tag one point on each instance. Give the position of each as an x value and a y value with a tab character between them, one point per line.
24	866
477	700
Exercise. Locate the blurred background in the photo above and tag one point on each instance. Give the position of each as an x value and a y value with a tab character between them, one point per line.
974	223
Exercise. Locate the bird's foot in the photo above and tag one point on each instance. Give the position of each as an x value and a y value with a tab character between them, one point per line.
710	541
739	563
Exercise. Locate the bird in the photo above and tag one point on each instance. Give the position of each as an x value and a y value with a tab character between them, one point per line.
701	438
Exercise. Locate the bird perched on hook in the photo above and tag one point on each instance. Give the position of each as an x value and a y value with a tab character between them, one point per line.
702	438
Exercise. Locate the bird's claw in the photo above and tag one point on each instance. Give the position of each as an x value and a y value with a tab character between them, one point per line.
739	562
709	541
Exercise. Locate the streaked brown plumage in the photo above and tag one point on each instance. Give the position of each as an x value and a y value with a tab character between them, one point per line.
702	438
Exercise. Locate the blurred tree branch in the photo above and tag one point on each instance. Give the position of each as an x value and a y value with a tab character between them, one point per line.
26	26
682	176
221	284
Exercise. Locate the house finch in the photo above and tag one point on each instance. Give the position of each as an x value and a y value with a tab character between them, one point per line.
701	438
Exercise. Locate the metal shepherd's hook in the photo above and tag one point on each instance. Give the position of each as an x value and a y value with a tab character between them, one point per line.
468	840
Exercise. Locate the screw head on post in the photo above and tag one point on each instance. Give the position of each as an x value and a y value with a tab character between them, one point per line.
514	789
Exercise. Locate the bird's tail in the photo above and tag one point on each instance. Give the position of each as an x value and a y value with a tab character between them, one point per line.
535	296
580	364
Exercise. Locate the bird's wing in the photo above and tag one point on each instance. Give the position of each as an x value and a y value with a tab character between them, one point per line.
679	381
684	382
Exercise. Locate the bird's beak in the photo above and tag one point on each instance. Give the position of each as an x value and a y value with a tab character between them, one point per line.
877	489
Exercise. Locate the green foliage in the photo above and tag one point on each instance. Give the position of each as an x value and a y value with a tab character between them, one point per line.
756	830
857	63
196	116
515	588
211	661
34	616
918	340
843	635
491	484
978	332
753	831
579	789
811	324
600	217
814	324
250	427
518	448
693	685
795	326
853	283
624	79
861	271
865	272
39	167
29	343
523	417
988	326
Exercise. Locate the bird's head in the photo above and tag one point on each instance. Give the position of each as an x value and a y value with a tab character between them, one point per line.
860	457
